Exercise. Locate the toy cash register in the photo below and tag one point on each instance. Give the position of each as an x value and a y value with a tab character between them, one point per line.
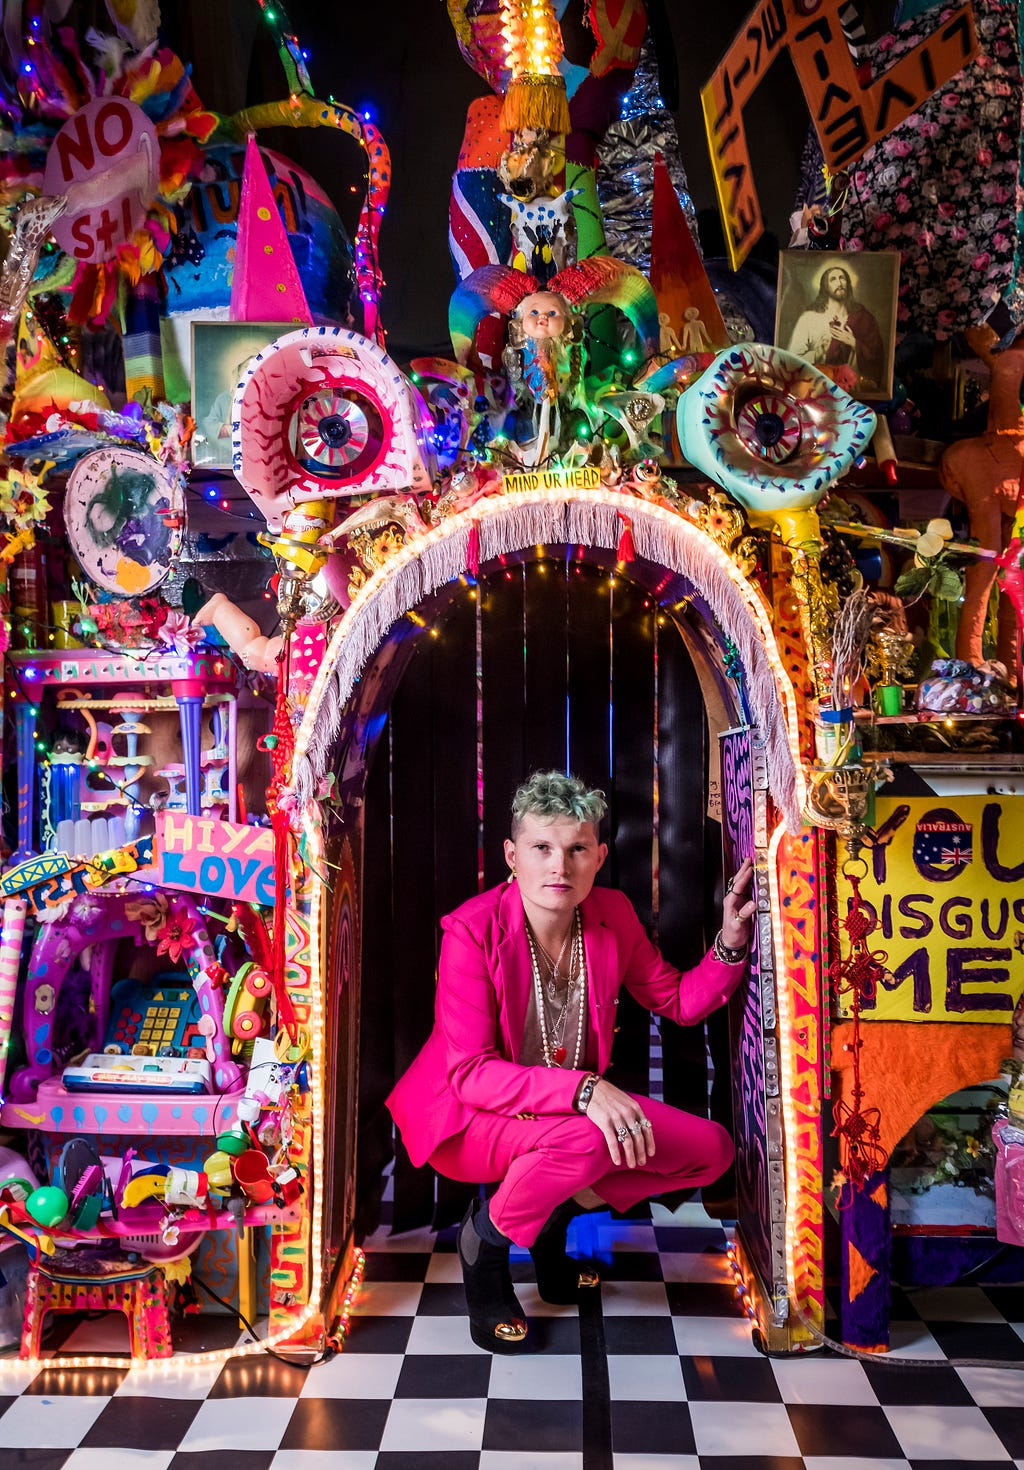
152	1029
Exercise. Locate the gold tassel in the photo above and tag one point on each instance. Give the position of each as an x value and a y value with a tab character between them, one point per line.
534	100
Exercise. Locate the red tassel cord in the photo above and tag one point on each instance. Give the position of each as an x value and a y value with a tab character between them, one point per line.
625	551
857	1128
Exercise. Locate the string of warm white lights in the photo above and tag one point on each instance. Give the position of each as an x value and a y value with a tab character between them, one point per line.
496	507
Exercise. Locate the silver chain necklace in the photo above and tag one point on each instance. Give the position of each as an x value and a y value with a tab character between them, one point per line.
553	1052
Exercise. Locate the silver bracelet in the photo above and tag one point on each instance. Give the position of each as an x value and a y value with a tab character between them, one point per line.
721	951
587	1091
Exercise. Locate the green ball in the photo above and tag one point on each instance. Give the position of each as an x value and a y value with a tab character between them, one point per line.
48	1205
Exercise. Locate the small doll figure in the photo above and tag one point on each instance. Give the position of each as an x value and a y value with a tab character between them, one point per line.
668	343
544	357
543	351
695	337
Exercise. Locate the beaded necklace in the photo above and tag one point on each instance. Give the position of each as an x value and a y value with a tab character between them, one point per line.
554	1054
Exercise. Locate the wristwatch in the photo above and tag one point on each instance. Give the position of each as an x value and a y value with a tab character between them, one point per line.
586	1091
721	951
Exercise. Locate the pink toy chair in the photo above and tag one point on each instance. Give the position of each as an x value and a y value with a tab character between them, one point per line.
84	1281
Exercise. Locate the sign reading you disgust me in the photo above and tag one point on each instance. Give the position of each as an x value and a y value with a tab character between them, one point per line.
106	159
945	882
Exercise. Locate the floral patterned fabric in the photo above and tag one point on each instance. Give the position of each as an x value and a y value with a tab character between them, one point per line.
942	187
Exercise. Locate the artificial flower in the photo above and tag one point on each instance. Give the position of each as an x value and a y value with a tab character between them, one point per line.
151	913
176	935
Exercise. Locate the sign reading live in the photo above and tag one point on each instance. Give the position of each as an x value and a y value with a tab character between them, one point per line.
849	116
219	859
946	884
106	159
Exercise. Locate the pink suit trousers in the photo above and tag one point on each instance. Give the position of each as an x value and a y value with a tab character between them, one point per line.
542	1162
471	1109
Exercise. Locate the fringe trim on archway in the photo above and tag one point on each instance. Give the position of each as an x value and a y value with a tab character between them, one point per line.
510	524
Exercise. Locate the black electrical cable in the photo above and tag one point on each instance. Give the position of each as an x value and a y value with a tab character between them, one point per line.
270	1352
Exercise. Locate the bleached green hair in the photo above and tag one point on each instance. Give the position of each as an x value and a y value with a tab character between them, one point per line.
553	794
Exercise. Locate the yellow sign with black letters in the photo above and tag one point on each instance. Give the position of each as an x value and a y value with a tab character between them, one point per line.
945	883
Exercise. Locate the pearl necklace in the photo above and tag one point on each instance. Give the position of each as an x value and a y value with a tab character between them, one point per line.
554	1056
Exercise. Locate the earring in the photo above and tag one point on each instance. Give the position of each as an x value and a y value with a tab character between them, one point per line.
511	876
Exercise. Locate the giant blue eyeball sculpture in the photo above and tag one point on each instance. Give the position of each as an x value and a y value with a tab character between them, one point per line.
770	429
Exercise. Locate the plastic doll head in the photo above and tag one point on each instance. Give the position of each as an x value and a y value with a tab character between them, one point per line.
543	316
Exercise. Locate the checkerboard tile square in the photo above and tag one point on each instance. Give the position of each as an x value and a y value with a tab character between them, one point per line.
955	1304
536	1376
702	1299
158	1424
49	1423
906	1385
624	1334
752	1462
848	1429
912	1339
396	1265
978	1340
448	1376
352	1375
241	1423
656	1462
994	1387
634	1299
127	1459
259	1377
379	1334
636	1430
326	1425
1009	1425
761	1429
936	1432
852	1462
539	1460
815	1380
33	1459
428	1460
444	1269
714	1337
442	1299
222	1460
324	1460
441	1425
387	1299
527	1427
648	1378
710	1266
743	1380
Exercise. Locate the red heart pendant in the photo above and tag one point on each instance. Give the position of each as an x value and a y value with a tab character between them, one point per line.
558	1056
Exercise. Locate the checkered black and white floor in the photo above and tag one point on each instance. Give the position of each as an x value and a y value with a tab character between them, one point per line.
661	1373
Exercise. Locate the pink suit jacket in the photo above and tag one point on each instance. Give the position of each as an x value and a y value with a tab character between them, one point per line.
469	1062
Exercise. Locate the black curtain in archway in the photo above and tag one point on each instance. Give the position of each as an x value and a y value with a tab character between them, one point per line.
548	662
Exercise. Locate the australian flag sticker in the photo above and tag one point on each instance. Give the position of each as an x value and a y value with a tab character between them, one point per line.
943	844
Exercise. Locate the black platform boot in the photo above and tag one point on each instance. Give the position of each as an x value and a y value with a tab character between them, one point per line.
496	1320
560	1278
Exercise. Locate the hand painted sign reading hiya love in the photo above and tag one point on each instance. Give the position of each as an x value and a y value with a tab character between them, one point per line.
219	859
945	882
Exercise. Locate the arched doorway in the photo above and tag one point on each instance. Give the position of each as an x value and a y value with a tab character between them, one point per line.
712	614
